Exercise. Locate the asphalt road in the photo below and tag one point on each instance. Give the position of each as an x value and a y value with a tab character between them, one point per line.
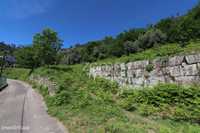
22	110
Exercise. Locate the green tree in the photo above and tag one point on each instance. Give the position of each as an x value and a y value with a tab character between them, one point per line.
46	46
151	38
26	57
131	47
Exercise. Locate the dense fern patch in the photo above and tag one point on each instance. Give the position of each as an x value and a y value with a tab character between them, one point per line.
165	100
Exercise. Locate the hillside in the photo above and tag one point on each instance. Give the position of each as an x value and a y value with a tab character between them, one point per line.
87	105
175	30
167	50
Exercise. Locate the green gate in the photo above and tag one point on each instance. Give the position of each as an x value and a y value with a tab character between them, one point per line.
3	82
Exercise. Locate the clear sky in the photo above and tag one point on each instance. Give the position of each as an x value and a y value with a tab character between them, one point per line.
80	21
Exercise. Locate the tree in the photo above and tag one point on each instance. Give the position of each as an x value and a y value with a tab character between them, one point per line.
46	46
8	48
152	38
131	35
26	57
131	47
73	56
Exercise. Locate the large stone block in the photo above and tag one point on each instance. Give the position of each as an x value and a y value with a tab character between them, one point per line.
192	59
130	66
130	73
157	72
123	74
117	70
191	70
138	64
122	81
108	71
123	70
187	79
175	61
160	62
123	67
166	62
138	81
175	71
139	73
130	80
154	80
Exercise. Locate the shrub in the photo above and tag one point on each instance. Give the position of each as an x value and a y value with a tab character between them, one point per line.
131	47
149	68
152	38
172	101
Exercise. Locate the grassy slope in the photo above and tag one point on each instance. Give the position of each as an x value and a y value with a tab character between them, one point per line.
87	106
165	50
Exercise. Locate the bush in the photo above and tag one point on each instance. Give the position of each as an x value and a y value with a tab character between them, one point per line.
131	47
152	38
169	100
149	68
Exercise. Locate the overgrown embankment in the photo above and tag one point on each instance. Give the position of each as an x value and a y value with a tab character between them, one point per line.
87	105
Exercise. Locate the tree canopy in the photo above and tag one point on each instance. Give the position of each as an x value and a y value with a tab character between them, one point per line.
43	51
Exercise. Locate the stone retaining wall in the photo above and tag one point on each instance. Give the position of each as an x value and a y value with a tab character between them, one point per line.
44	81
178	69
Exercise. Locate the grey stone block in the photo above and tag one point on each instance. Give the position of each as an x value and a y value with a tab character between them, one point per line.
175	61
192	59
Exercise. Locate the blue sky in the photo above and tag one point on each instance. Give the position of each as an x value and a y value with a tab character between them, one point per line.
80	21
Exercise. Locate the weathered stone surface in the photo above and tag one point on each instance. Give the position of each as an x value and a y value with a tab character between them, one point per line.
138	81
117	70
178	69
187	79
155	80
130	66
191	70
175	71
123	66
44	81
139	73
123	70
192	59
175	61
139	64
156	72
160	62
131	74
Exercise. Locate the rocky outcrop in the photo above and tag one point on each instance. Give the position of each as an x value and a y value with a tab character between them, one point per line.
178	69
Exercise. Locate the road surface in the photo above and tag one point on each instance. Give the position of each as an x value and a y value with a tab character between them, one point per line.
22	110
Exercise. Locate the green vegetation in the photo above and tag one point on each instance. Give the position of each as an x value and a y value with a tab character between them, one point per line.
149	67
44	50
10	48
167	101
157	52
88	106
176	30
85	105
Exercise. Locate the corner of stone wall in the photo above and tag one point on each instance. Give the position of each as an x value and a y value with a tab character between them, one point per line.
46	82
